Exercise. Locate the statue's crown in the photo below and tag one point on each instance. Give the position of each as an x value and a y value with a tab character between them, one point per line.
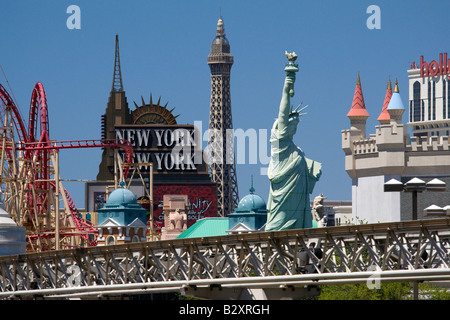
297	111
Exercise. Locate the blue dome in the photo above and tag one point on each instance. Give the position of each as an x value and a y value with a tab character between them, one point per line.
121	196
251	213
122	207
252	203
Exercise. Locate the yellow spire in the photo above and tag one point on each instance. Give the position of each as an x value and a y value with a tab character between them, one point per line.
358	81
389	87
396	86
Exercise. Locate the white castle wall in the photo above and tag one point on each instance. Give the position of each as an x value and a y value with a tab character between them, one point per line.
371	204
391	153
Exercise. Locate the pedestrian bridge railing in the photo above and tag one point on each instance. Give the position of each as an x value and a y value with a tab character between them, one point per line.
399	251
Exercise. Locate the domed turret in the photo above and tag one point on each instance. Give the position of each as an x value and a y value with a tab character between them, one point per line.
12	236
250	215
122	196
252	203
121	219
5	219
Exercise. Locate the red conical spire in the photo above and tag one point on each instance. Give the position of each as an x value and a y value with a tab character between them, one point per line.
384	115
358	106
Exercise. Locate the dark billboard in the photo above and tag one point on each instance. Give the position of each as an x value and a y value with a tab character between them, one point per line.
173	149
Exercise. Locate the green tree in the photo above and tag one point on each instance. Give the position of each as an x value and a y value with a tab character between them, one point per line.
433	292
387	291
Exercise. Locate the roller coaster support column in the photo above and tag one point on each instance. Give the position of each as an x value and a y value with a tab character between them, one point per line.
150	187
118	176
57	214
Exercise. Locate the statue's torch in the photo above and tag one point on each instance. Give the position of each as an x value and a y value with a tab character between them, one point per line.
291	67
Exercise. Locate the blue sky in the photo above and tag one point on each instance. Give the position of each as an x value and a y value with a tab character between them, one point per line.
164	46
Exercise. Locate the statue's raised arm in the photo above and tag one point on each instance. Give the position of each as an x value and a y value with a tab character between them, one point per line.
288	91
285	104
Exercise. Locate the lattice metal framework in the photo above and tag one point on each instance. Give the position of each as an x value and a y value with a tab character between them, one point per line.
404	251
221	137
30	184
117	84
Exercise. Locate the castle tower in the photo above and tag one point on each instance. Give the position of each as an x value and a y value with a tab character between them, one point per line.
395	107
391	138
221	138
384	117
117	113
358	114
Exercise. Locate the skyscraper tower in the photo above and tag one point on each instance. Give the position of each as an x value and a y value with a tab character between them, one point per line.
116	113
221	137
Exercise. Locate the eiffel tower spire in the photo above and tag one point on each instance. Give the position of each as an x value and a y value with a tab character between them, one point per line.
117	77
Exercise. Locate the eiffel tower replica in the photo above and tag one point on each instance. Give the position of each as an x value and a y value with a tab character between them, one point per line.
222	165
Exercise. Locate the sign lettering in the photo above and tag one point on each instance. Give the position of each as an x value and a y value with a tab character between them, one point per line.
170	148
435	68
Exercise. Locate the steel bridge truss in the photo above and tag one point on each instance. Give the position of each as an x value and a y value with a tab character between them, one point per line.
283	260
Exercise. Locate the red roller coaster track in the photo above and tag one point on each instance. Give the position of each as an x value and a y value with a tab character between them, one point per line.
37	148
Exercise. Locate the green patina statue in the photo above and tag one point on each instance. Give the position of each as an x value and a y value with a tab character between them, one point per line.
292	176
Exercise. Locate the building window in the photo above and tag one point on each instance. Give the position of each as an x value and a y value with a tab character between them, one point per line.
423	111
416	101
434	100
448	100
444	99
429	100
411	111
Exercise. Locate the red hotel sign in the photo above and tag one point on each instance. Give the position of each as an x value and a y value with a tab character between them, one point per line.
435	68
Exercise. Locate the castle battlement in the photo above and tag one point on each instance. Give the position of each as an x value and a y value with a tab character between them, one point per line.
372	144
365	146
387	136
433	143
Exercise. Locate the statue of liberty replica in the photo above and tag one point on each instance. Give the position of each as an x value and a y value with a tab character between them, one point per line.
292	176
